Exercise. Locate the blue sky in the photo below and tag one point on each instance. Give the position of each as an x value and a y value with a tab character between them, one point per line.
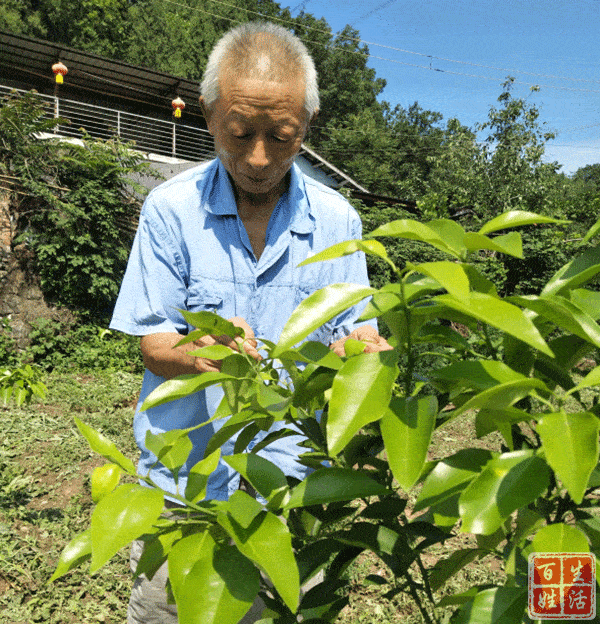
474	45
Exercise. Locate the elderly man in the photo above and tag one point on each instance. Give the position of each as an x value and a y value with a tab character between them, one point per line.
228	236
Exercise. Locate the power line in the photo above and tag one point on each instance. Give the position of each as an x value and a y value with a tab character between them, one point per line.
388	47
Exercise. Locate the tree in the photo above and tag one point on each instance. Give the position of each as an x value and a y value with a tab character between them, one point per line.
367	423
74	206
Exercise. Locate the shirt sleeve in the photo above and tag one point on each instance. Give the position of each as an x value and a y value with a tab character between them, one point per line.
154	287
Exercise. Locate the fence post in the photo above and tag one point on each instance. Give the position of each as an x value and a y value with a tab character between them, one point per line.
174	146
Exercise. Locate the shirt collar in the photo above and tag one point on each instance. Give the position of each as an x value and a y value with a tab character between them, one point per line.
222	199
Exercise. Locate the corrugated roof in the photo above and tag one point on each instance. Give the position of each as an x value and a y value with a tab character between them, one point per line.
25	59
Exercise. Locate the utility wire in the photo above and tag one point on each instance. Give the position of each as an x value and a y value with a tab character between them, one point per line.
388	47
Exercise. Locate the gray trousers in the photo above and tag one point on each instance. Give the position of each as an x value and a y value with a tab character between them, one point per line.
148	602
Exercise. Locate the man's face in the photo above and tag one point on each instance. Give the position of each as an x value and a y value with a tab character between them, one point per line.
258	127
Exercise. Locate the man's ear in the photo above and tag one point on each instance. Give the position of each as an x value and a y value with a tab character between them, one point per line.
206	112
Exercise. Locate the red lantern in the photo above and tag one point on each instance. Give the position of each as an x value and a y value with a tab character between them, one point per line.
178	105
59	70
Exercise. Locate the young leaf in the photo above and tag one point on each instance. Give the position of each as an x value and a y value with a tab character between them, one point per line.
575	273
360	394
329	485
211	584
449	275
451	476
500	605
316	309
589	381
197	480
563	313
509	244
267	541
415	230
500	314
508	482
406	428
570	442
209	323
105	447
346	248
559	538
172	448
104	480
262	474
77	551
182	386
516	218
119	518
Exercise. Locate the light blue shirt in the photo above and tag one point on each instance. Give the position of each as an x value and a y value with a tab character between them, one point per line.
191	251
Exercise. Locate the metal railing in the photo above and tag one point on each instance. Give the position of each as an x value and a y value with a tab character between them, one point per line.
149	134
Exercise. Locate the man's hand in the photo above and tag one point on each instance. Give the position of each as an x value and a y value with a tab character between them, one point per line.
163	358
366	333
248	343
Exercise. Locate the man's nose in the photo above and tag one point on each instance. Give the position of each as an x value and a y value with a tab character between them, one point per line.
257	156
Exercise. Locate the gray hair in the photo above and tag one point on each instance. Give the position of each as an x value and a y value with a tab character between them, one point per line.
241	48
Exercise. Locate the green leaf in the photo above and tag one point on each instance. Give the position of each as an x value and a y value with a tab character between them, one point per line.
509	244
575	273
451	476
570	442
449	275
76	552
104	480
507	483
105	447
478	375
182	386
500	605
360	394
329	485
563	313
119	518
414	230
490	419
197	480
209	323
503	395
315	352
267	541
263	475
591	232
172	448
447	568
586	300
211	584
589	381
500	314
406	428
559	538
345	248
318	308
516	218
212	352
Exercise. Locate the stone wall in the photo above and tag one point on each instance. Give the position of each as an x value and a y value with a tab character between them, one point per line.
21	297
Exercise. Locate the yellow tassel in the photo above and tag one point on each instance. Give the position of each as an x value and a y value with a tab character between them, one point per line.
59	78
177	113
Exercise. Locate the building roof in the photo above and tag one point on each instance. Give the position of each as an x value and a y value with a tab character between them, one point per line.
27	62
